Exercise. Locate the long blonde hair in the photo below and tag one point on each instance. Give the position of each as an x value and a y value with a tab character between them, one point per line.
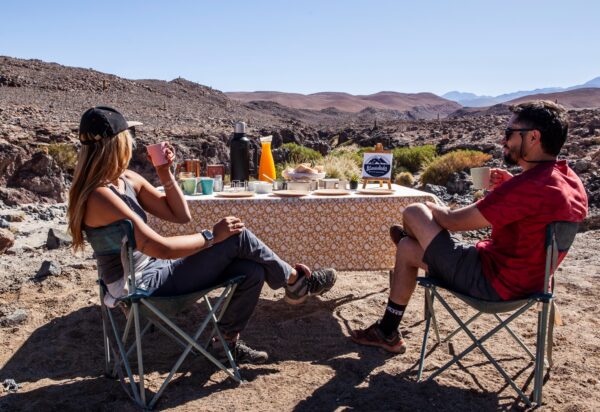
98	164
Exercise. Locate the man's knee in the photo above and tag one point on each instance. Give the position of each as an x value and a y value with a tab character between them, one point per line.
415	212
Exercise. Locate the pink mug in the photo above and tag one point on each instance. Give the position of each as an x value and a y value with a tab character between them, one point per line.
157	153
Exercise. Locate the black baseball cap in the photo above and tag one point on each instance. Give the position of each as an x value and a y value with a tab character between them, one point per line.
102	122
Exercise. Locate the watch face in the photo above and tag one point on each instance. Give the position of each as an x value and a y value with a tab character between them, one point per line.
207	235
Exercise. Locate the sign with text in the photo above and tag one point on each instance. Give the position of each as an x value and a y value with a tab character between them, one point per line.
377	166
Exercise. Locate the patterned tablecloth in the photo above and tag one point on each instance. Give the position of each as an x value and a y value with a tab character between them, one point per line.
344	232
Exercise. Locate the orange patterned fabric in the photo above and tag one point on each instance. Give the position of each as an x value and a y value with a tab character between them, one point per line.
347	232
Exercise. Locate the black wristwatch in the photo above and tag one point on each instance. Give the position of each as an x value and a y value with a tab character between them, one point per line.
209	237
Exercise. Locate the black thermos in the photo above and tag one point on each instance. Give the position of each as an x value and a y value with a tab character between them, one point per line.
239	153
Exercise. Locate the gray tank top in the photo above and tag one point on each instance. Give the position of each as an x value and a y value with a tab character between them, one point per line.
110	267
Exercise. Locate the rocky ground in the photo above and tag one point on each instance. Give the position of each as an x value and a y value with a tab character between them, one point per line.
49	330
51	342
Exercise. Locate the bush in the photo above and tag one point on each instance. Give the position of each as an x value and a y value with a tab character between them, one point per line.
351	151
413	159
65	155
341	167
404	179
299	154
440	169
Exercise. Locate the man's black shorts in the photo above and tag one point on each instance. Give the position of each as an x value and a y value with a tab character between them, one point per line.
458	266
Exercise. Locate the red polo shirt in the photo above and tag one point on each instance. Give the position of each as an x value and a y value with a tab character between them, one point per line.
519	210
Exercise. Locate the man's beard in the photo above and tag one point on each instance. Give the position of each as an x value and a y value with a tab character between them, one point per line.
508	160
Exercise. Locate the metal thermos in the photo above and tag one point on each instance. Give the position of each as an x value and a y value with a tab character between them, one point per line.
239	153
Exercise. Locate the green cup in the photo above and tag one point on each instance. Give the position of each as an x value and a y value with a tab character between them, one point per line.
188	185
207	184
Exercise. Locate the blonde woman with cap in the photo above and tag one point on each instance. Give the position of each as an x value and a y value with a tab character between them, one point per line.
105	191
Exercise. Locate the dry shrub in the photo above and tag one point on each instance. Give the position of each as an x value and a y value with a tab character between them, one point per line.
65	155
299	154
440	169
404	179
341	167
351	151
413	159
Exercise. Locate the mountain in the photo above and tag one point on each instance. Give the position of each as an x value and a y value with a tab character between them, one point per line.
417	105
571	99
473	100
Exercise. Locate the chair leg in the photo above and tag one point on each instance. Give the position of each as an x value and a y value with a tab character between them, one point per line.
539	355
479	343
138	339
124	360
516	337
428	302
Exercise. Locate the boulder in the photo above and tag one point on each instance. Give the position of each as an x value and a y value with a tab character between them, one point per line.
48	268
7	239
58	238
42	176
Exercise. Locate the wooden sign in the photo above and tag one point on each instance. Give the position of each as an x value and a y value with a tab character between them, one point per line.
377	166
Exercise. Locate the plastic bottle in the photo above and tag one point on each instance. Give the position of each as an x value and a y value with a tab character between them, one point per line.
266	168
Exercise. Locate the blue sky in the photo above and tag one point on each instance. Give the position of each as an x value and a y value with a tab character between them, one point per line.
359	47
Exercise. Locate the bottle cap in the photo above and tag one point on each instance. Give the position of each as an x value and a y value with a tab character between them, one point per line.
240	127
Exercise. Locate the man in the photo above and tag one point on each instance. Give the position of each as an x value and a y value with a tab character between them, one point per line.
510	264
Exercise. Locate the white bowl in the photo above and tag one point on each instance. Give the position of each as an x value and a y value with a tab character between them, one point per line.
263	187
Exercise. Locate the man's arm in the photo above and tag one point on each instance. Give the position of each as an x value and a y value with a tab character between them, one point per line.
465	218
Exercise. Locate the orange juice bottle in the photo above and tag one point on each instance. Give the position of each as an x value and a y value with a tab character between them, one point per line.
266	167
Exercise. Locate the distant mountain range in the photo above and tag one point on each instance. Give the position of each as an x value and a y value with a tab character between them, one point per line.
418	105
473	100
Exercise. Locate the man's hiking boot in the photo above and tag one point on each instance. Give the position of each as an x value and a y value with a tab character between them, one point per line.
373	336
309	283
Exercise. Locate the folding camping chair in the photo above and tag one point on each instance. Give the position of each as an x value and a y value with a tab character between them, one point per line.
140	306
559	237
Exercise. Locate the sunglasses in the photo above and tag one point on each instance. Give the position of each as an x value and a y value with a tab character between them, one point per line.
508	132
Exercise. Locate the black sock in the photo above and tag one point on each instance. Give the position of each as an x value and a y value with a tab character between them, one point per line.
391	318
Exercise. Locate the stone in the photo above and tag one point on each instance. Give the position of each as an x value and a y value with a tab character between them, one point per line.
14	217
48	268
15	318
7	239
459	183
4	224
58	238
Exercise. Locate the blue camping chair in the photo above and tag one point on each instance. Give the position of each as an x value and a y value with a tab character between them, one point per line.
140	307
559	237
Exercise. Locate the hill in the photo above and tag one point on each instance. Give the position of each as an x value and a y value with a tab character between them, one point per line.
421	105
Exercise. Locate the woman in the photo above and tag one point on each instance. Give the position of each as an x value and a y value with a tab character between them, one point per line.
105	191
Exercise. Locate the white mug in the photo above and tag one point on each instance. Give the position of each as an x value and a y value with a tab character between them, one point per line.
480	177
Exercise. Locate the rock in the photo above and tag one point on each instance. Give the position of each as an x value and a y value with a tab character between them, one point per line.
10	385
439	191
58	238
4	224
49	268
14	217
7	239
582	166
40	175
15	318
459	183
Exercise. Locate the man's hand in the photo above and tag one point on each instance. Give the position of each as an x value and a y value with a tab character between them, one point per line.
438	212
227	227
498	176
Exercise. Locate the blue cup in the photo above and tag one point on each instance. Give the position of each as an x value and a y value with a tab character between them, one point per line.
207	184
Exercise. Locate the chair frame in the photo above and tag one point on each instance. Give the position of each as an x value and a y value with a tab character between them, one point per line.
559	237
139	304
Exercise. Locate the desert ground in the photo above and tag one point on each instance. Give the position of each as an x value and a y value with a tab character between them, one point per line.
51	345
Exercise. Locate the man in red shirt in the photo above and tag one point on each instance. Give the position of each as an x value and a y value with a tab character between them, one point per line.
511	264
